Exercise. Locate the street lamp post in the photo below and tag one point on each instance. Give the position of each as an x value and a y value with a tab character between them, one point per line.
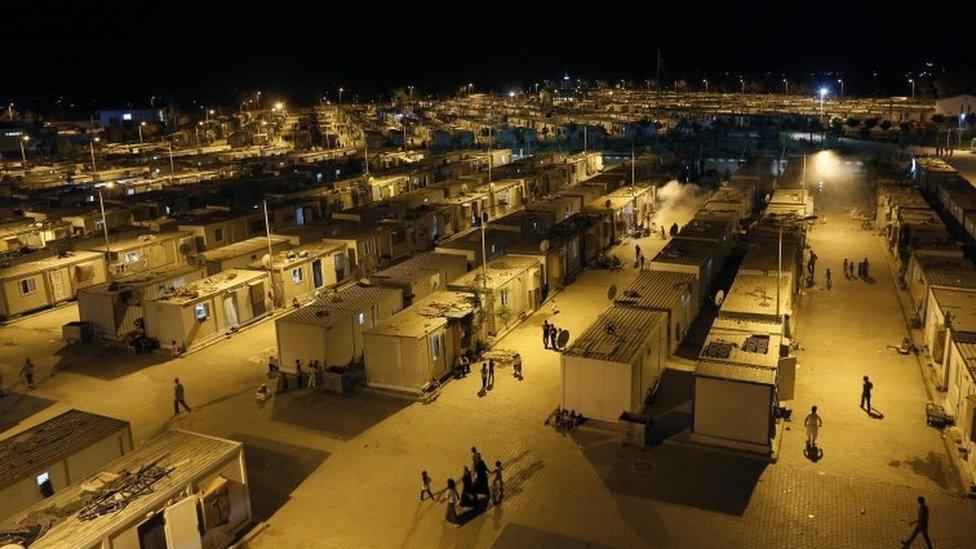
912	82
786	86
141	124
101	205
340	96
705	81
743	82
823	95
23	151
172	168
841	82
91	147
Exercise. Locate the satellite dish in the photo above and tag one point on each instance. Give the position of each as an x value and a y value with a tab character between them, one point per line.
562	339
266	261
544	246
612	291
719	298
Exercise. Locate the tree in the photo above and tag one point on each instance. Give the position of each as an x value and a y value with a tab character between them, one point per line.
886	125
853	122
870	123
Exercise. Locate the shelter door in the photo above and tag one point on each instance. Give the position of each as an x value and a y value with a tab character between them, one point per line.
230	311
317	273
183	524
59	290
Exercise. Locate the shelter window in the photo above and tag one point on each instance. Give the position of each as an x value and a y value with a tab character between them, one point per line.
297	275
435	346
503	297
132	256
28	286
202	311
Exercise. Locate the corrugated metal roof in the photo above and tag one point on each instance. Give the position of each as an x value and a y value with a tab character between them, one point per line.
754	294
760	349
258	244
55	439
686	252
658	290
706	229
425	316
186	455
423	263
763	255
616	335
953	272
736	372
327	309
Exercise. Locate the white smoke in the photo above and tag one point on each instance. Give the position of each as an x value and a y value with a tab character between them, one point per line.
677	203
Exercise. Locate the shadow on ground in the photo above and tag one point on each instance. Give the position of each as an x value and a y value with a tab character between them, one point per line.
274	470
105	362
16	407
519	535
669	410
338	416
681	475
933	467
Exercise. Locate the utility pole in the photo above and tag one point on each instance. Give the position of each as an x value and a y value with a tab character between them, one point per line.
267	230
172	167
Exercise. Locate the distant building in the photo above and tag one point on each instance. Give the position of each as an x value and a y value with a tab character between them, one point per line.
122	117
957	105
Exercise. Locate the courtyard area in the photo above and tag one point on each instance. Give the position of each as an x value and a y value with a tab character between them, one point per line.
329	470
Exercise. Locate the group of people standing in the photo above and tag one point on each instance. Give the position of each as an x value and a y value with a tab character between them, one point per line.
479	486
862	268
550	335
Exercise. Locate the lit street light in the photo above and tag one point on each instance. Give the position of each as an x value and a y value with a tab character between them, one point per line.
23	151
912	82
141	124
705	81
743	82
91	147
841	82
340	96
823	95
786	85
410	88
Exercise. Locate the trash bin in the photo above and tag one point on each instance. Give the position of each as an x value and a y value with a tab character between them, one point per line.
632	429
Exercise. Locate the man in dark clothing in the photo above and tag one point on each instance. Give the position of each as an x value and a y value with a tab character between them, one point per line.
484	376
921	525
866	394
545	333
674	230
637	253
553	332
480	473
179	398
491	371
865	267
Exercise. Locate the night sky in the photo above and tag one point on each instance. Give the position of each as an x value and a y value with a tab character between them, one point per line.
217	50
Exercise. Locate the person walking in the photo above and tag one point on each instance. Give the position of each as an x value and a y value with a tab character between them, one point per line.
468	497
480	474
553	332
846	263
425	486
484	376
453	499
865	267
813	422
497	484
642	262
491	372
545	333
179	397
866	387
664	235
827	277
637	254
921	525
27	372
